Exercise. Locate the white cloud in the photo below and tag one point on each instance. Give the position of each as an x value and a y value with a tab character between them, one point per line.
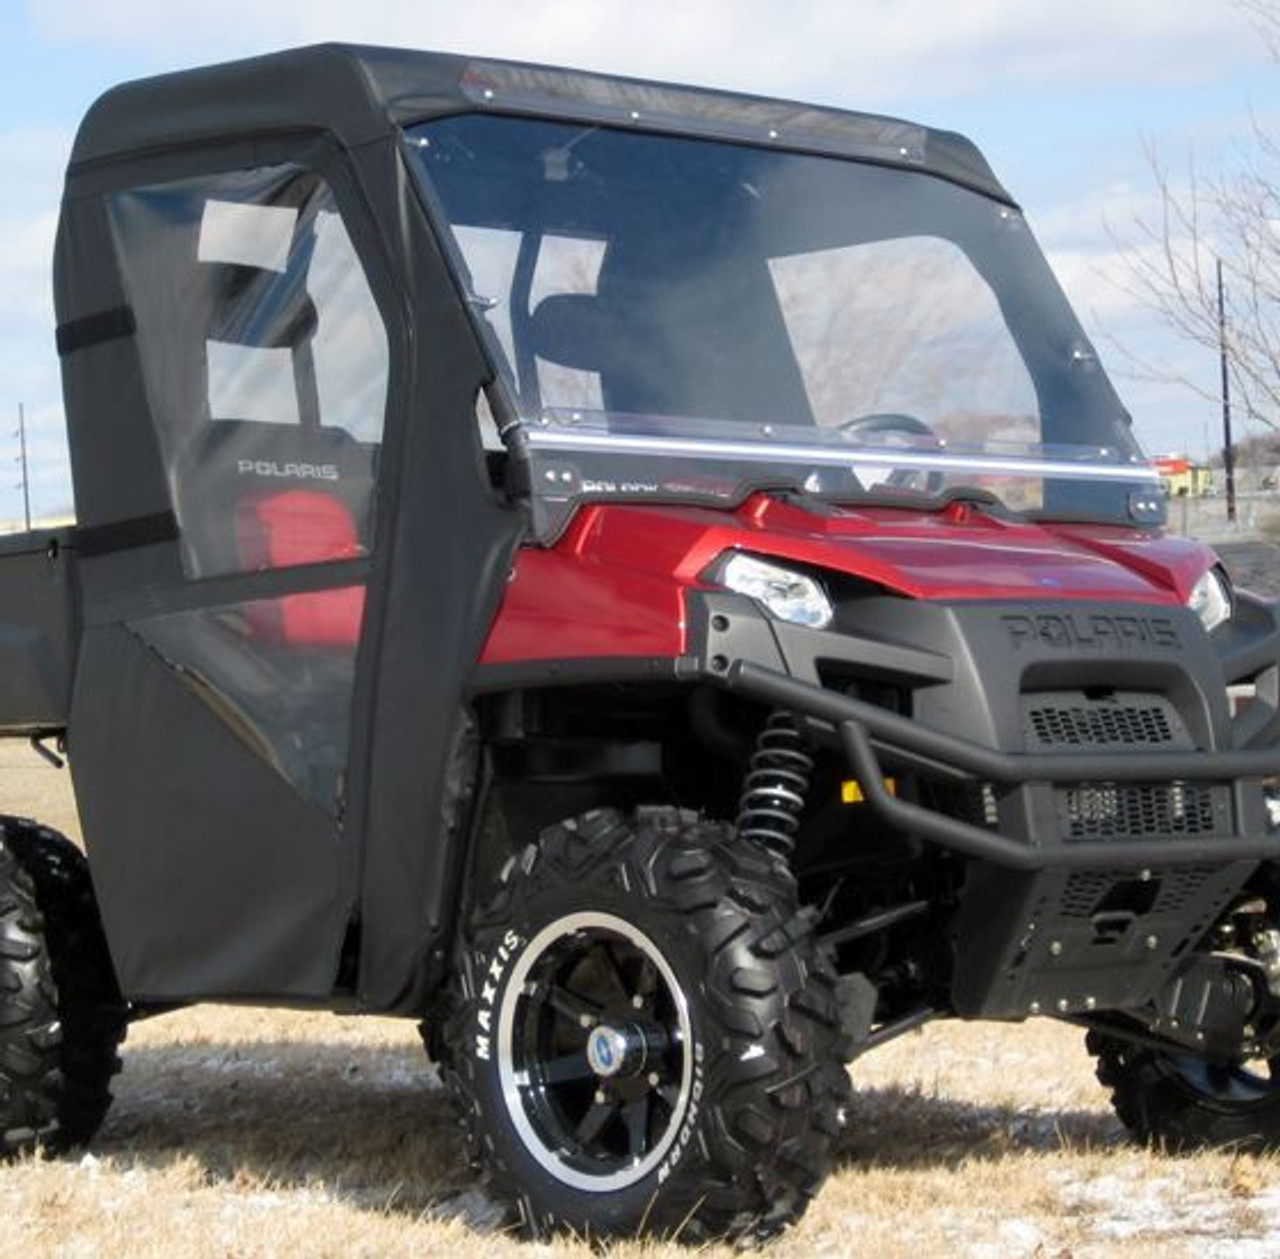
1164	380
868	52
33	161
882	54
1094	243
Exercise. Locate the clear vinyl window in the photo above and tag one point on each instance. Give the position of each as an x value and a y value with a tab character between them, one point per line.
266	362
681	317
278	672
918	332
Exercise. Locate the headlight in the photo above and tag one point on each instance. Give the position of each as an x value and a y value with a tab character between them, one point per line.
788	595
1211	599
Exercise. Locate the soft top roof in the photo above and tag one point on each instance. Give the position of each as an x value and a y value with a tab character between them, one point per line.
360	94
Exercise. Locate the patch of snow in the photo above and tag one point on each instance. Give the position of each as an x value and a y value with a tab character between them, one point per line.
1012	1238
475	1207
1123	1207
402	1077
224	1062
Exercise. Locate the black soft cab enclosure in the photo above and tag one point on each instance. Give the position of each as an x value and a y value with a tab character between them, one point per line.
786	657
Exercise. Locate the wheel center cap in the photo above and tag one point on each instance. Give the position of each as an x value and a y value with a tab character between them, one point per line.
607	1050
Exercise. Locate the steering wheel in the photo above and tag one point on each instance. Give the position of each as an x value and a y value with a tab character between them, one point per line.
886	424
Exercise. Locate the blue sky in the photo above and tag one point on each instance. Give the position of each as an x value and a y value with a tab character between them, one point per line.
1059	94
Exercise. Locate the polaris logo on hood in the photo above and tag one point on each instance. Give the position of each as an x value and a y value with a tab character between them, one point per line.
288	471
1092	632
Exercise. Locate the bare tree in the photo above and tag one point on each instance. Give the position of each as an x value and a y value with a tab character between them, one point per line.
1266	17
1232	219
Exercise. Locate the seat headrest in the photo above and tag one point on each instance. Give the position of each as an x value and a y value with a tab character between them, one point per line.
578	330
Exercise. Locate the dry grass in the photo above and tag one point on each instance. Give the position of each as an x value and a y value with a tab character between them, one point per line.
257	1133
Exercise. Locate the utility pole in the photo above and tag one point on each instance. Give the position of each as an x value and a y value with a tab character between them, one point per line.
26	484
1228	455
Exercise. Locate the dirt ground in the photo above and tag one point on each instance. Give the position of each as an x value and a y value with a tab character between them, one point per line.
239	1133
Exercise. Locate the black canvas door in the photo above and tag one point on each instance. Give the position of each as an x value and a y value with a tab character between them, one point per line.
211	724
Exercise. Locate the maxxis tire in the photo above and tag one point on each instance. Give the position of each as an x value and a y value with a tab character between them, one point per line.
1161	1106
61	1014
769	1094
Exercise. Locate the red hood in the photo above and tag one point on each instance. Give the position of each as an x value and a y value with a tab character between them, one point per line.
958	553
614	584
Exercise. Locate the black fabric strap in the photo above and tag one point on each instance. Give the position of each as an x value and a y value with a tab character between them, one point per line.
106	325
125	535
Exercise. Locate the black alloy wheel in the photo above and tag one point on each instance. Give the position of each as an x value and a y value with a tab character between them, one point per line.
645	1037
595	1051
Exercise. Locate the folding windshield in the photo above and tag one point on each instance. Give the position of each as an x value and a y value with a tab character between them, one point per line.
688	319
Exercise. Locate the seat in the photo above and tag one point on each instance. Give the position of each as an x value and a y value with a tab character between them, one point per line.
302	527
254	496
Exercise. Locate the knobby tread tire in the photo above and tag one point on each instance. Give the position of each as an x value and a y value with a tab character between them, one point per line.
764	1010
1162	1108
61	1014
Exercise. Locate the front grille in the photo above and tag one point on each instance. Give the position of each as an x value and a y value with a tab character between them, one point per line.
1071	719
1122	721
1139	811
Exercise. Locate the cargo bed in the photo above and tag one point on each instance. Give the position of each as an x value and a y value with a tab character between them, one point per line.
39	626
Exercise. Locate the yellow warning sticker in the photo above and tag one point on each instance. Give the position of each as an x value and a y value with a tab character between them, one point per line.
851	790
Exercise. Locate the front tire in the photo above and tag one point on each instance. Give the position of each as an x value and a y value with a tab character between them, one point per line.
1181	1103
646	1038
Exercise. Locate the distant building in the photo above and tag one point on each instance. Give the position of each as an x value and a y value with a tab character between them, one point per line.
1182	478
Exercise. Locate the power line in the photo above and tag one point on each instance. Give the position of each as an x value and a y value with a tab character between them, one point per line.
1228	455
26	483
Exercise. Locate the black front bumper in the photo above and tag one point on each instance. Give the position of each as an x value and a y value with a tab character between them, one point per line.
966	671
869	734
1049	917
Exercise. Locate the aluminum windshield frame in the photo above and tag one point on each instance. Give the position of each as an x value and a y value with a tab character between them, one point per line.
541	436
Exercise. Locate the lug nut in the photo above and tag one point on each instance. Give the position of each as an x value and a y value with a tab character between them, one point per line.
1055	947
1152	943
1063	1005
1034	1007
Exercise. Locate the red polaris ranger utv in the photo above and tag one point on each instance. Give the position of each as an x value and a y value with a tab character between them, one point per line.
655	584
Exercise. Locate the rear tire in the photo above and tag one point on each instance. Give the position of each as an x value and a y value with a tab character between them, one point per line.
61	1014
645	1038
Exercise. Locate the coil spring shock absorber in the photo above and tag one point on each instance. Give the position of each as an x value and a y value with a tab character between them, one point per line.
776	786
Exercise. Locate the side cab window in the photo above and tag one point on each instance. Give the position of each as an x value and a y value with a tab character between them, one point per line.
266	363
